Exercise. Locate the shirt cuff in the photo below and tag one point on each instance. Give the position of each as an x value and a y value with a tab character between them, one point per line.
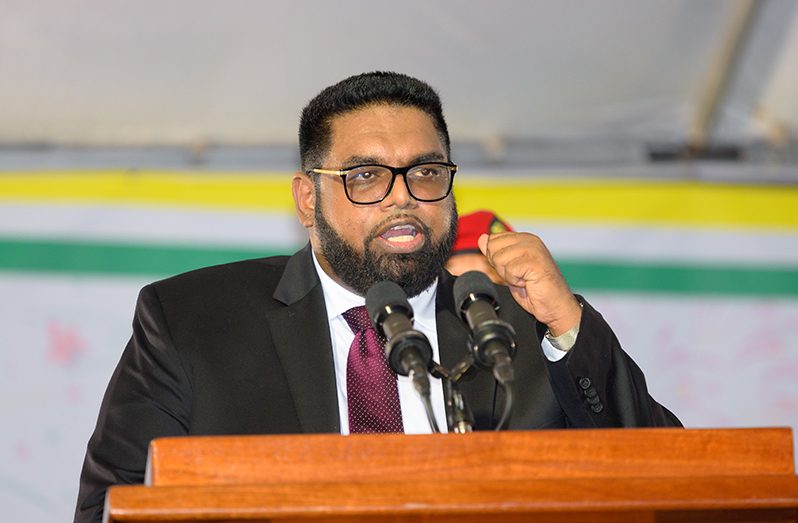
555	347
551	353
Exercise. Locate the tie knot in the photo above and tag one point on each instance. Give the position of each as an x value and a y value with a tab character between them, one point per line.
358	319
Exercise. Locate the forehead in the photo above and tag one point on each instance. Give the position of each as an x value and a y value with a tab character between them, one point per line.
390	134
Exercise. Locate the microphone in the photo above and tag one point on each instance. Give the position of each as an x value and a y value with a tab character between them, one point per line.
492	339
408	350
392	316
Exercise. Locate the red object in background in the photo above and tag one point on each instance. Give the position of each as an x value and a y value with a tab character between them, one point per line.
473	225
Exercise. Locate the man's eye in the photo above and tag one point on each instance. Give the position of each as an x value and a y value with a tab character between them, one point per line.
428	172
365	175
361	175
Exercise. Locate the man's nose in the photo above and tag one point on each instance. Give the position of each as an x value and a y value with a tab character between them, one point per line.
400	195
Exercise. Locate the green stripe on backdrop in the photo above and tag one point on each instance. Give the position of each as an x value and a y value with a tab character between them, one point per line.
18	255
116	259
680	278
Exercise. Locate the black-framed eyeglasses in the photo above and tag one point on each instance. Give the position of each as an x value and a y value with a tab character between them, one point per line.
365	184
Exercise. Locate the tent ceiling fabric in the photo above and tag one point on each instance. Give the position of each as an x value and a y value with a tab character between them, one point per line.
187	71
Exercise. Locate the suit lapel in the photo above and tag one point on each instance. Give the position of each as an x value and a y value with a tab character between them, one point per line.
302	341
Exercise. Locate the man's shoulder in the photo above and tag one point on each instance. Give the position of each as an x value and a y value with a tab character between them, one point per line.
270	265
259	275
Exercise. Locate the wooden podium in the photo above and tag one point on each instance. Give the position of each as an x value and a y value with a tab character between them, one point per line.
558	475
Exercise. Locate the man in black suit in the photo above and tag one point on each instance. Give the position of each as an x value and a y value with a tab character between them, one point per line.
261	346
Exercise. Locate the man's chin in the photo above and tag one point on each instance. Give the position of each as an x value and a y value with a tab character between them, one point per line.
398	268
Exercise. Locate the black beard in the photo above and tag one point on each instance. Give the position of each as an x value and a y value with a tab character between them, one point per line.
414	271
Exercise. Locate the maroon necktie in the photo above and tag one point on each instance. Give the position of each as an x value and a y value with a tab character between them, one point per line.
371	390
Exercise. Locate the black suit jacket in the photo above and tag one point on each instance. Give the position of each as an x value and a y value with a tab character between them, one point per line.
244	348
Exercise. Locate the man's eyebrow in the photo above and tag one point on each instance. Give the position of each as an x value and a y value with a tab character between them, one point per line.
371	160
429	157
360	160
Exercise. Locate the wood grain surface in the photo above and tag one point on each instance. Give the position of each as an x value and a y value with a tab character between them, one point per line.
757	498
607	453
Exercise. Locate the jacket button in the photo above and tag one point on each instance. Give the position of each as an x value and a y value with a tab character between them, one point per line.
591	392
584	383
593	400
598	407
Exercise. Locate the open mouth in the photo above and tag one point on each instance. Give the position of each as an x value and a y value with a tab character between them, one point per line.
400	233
402	236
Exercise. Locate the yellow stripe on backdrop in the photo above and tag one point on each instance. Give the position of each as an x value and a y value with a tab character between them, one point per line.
606	201
218	190
691	204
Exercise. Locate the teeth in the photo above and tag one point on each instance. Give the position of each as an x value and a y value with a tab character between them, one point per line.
403	238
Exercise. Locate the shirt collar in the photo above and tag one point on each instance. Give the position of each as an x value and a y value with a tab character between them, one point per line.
339	300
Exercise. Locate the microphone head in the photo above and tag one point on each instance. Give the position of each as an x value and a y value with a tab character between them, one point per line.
471	286
383	298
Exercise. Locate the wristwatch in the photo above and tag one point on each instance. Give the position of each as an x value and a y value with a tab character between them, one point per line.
566	340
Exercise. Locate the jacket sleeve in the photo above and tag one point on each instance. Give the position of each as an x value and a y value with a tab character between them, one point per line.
149	396
598	385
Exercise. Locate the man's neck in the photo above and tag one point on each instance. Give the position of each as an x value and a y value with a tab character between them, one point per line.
339	298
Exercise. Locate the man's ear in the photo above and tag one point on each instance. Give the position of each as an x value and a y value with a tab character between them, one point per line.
304	192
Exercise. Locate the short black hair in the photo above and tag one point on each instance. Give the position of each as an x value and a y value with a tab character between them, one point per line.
356	92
